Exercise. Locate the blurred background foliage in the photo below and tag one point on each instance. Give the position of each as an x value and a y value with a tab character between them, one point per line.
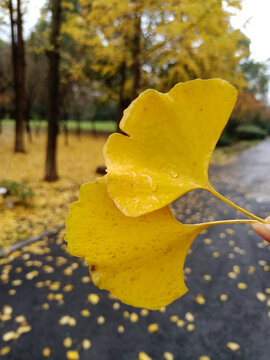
112	50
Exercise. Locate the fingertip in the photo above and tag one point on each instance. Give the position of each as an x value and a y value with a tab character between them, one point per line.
263	229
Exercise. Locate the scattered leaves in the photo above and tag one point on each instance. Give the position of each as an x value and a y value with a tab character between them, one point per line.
233	346
46	352
93	299
223	297
168	356
120	329
67	320
261	296
5	350
242	286
144	356
101	320
153	328
67	342
200	299
134	317
73	355
85	313
86	344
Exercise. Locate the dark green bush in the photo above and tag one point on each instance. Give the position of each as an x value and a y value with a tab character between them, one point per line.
226	139
250	131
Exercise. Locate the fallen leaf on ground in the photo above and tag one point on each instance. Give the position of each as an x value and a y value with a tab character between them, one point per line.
233	346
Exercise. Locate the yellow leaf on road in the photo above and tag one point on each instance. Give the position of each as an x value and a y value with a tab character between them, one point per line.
73	355
233	346
5	350
144	356
153	328
86	344
46	352
93	298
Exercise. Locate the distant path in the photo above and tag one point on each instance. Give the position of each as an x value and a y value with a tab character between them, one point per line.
254	170
227	274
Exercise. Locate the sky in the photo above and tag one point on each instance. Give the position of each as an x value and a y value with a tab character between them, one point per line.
253	20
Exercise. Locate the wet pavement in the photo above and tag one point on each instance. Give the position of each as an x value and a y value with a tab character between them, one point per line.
49	309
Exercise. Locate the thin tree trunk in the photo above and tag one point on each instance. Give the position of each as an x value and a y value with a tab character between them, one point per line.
53	98
28	130
93	127
78	129
120	108
18	61
136	57
37	127
27	118
65	129
21	83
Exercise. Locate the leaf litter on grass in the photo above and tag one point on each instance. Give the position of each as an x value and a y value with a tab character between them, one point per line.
77	163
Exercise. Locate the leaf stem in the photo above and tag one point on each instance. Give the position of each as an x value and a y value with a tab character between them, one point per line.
237	221
227	201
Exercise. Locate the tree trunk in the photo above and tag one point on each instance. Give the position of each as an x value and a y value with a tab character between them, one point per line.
65	129
28	129
136	56
120	108
18	60
38	126
27	118
53	98
78	128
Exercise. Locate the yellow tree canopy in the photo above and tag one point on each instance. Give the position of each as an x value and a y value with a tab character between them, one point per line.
178	40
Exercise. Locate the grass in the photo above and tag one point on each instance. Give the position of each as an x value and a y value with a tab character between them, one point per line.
77	164
99	126
225	154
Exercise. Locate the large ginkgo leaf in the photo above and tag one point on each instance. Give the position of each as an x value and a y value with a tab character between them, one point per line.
171	138
138	259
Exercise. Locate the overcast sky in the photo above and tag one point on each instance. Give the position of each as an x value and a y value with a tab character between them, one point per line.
254	21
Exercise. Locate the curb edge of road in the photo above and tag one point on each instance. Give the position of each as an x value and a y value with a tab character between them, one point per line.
18	245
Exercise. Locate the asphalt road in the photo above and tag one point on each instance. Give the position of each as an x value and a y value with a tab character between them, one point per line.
46	311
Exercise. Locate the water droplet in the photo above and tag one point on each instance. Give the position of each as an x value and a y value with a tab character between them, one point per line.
173	174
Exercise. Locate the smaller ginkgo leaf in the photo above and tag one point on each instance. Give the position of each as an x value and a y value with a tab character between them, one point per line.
141	259
171	138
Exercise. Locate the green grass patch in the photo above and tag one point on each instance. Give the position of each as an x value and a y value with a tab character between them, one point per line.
103	126
224	154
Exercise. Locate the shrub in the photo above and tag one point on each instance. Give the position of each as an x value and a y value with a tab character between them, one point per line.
19	191
250	131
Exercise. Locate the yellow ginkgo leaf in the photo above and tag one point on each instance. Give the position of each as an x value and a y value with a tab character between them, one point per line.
171	138
141	259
